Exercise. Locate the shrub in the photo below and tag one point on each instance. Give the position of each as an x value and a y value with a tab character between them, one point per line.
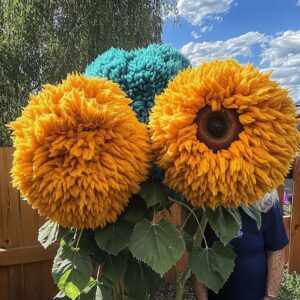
290	287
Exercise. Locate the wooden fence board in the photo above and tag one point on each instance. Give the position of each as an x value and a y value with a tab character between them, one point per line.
29	254
25	267
294	254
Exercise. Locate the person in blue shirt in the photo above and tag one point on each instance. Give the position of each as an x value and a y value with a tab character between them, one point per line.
259	262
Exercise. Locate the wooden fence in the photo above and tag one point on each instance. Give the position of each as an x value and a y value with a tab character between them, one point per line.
25	267
292	222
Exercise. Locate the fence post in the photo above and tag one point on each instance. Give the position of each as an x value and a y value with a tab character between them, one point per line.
294	259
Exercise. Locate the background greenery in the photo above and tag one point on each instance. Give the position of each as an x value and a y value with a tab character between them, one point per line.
290	287
42	40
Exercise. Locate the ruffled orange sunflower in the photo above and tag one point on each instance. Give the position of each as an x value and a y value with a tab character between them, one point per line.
225	134
80	152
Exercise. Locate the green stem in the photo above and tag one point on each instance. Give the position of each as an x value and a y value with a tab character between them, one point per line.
116	291
186	206
186	220
180	284
98	272
201	227
79	237
182	278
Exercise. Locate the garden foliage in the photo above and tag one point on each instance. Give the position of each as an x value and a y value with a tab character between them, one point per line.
127	259
290	287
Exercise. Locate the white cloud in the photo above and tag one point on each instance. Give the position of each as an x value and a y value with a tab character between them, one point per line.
196	11
280	53
195	35
238	46
208	28
283	57
298	3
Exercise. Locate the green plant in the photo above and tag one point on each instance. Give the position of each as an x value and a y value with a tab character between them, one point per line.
290	287
129	258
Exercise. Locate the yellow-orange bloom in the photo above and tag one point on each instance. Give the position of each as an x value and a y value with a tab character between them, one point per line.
80	152
260	152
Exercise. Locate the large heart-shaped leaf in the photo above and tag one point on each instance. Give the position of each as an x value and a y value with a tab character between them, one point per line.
135	211
97	290
48	233
114	267
114	237
158	245
226	222
212	266
71	270
140	280
153	193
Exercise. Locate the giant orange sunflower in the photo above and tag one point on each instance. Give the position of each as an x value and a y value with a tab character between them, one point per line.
225	134
80	152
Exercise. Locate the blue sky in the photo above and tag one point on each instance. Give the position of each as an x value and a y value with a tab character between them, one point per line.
265	32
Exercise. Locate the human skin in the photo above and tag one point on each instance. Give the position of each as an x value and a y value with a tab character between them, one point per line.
275	272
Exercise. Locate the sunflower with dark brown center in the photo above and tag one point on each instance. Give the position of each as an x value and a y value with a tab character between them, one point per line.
224	133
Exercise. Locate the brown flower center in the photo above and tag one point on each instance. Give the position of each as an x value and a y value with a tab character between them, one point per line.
218	129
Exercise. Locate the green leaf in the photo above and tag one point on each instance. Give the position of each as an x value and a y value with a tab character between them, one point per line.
61	295
48	233
140	280
191	225
114	237
189	241
175	195
212	266
253	212
68	286
87	243
150	213
135	211
158	245
71	270
153	193
66	235
97	290
226	222
114	267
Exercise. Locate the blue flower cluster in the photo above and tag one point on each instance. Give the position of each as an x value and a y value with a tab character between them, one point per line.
141	73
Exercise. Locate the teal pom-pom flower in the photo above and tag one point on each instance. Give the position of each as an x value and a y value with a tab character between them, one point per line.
141	73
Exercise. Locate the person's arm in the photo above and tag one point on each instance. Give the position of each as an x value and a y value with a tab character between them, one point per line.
200	290
275	272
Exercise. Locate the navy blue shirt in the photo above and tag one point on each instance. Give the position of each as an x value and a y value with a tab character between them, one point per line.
248	279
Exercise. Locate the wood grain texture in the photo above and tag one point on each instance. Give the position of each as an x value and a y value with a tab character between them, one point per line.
287	225
25	267
29	254
294	255
280	191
